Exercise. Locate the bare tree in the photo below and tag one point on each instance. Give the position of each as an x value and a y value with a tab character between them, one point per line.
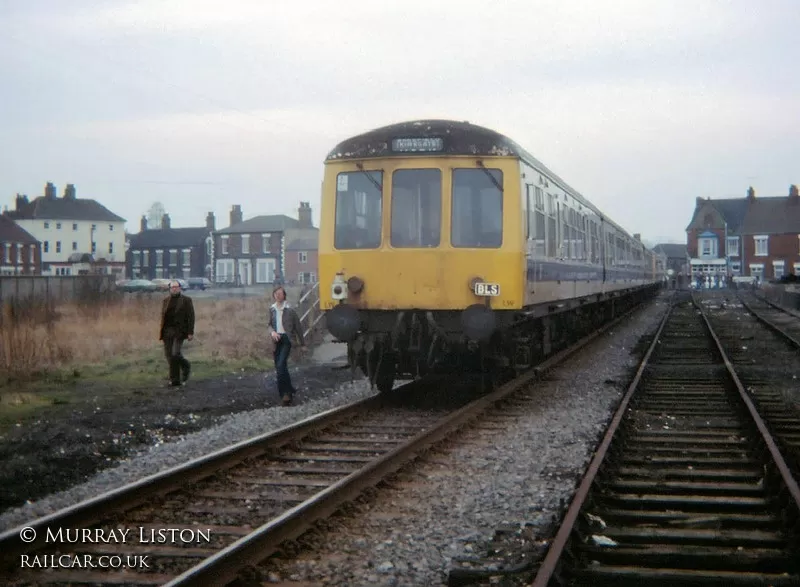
154	215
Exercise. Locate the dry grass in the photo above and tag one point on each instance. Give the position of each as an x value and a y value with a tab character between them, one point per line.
38	339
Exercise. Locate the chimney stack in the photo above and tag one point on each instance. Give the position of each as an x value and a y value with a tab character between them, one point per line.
236	214
699	201
50	191
143	224
165	222
751	193
304	215
211	222
69	192
22	203
793	192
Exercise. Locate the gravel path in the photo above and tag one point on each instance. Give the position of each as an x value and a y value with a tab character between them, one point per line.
451	503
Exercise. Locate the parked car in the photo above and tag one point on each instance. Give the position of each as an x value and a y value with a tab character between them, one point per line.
162	284
137	285
199	283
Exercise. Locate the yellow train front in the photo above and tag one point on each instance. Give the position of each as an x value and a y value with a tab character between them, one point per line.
427	257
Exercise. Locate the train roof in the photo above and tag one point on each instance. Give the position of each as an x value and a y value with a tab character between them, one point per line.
425	138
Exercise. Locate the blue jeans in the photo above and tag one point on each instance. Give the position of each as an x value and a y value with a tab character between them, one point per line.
281	356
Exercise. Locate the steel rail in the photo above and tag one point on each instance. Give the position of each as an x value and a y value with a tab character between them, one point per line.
774	327
225	565
557	547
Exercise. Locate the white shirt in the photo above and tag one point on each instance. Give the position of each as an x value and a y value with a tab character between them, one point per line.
279	318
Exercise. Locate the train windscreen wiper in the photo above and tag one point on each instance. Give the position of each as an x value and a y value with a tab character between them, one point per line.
490	176
375	182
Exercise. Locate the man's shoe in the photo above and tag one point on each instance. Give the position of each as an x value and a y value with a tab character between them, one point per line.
174	384
186	373
287	400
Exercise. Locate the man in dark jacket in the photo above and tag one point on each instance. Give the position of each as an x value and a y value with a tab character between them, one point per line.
177	325
284	323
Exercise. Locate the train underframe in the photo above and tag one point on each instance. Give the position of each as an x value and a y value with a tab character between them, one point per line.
411	344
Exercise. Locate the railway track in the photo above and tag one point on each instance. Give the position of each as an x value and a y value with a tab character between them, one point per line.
205	521
688	486
774	317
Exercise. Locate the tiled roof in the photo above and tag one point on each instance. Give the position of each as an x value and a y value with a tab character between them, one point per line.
270	223
772	216
11	232
169	237
66	209
671	250
303	244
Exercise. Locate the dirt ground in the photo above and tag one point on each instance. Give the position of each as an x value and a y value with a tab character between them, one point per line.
71	442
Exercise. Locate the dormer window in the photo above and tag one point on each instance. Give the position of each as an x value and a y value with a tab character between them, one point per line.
707	245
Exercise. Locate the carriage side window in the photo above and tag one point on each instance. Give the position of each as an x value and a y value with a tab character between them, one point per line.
358	210
552	235
477	216
416	208
540	223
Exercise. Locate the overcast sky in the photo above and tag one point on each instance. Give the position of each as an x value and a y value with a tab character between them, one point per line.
640	105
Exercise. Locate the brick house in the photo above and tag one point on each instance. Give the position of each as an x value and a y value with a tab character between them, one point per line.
672	257
254	251
169	252
750	236
20	252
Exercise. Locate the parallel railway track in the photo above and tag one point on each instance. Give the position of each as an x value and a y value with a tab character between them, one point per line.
689	486
239	504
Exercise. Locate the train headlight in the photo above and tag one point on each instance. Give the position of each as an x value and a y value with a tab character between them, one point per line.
339	287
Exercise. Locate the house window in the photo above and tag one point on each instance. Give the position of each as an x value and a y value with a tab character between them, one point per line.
146	261
733	246
159	258
302	257
265	242
74	246
58	246
224	270
246	244
19	254
307	278
173	257
58	226
74	226
136	259
47	225
32	254
224	247
46	246
736	267
187	257
265	270
110	228
707	247
762	245
110	248
757	270
796	268
94	227
6	253
777	268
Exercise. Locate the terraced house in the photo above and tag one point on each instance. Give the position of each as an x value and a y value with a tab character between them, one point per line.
750	236
78	235
264	249
168	252
20	252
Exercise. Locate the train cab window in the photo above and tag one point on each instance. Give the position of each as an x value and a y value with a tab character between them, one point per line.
358	210
416	208
477	210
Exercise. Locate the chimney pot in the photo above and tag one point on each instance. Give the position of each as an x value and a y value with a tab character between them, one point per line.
211	222
236	214
69	192
793	191
304	215
751	193
50	191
